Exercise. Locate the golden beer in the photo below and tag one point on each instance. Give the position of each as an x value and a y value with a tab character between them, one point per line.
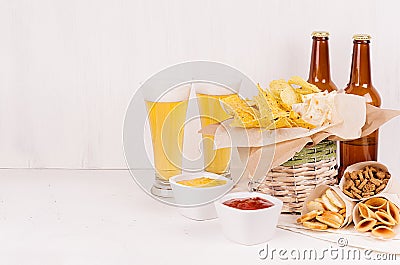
167	121
211	111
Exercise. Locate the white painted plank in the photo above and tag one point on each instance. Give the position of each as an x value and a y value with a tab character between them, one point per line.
69	68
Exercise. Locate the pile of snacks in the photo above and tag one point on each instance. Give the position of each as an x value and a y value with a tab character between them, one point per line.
290	104
272	107
329	210
355	200
365	183
377	215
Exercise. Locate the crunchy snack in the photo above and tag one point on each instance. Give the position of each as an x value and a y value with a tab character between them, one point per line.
245	114
365	183
327	211
315	225
271	108
329	204
309	216
393	211
366	225
383	231
342	212
314	205
335	199
385	218
378	216
331	219
304	87
376	203
365	211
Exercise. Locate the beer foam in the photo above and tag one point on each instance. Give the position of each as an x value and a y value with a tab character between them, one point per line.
213	89
163	94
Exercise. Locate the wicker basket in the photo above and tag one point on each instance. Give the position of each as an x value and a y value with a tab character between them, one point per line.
293	181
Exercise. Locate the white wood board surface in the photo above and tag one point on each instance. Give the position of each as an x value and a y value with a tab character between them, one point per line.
69	68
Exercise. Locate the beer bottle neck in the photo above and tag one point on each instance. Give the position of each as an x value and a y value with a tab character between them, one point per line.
360	74
319	65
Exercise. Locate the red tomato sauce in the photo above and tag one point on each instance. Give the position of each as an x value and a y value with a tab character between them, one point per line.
255	203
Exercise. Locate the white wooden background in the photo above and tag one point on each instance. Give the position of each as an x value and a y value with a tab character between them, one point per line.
69	68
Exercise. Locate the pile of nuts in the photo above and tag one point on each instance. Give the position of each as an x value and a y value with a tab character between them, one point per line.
366	182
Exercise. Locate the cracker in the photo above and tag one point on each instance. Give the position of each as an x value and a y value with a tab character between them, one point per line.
362	184
355	189
358	196
380	188
348	193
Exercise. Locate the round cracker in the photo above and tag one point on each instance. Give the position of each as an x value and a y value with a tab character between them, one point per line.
314	205
315	225
334	198
328	221
332	219
334	216
328	204
308	216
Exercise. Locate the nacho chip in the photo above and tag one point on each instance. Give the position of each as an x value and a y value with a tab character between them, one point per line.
244	115
262	103
245	124
271	108
289	97
265	118
234	103
283	122
305	87
275	105
277	86
230	104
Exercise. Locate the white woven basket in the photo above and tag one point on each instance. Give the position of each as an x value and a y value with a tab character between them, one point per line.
293	181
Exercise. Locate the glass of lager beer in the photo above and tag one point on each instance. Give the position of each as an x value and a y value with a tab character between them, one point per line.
211	112
166	116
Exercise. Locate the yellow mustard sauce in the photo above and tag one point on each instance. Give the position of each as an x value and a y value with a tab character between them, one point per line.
202	182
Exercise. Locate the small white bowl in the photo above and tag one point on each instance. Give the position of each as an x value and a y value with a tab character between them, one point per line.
197	203
248	227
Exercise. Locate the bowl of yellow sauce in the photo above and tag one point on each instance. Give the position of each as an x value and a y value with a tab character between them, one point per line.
202	182
195	193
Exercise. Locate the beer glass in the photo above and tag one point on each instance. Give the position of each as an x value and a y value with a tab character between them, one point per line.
166	116
211	112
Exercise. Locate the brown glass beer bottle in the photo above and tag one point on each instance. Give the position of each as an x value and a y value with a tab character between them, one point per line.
320	73
365	148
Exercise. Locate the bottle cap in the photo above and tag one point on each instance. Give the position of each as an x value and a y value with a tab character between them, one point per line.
320	34
361	37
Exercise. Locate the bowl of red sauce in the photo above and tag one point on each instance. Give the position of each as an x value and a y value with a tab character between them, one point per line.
248	218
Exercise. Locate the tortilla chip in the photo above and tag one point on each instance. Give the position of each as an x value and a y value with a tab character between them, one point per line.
305	87
239	108
283	122
289	97
271	108
277	86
